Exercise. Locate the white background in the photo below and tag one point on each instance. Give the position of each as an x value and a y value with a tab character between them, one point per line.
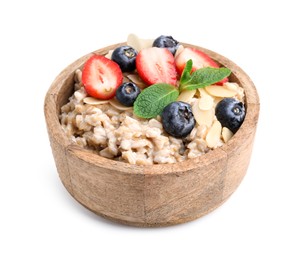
40	220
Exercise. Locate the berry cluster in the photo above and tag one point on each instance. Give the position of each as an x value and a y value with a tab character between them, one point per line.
103	79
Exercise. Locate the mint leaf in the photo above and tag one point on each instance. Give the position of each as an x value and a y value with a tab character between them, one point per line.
186	73
152	100
204	77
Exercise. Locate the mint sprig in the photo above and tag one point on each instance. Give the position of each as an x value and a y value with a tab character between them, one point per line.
203	77
152	100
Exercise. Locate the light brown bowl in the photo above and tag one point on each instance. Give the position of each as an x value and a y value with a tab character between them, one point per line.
157	195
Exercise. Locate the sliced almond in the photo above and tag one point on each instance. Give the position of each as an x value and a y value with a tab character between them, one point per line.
78	76
109	54
213	136
179	50
133	41
240	94
226	134
186	95
202	92
94	101
125	79
137	43
220	91
205	102
231	86
146	43
137	80
202	117
217	100
118	105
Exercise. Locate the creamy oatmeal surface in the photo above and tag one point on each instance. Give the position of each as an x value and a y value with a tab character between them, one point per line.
113	131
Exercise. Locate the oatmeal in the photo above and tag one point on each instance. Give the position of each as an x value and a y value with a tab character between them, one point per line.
98	120
116	133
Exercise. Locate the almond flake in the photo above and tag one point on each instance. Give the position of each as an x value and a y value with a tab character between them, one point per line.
213	136
202	117
186	95
118	105
137	43
94	101
146	43
125	79
220	91
203	93
78	76
137	80
179	50
205	102
109	54
226	134
217	100
231	86
133	41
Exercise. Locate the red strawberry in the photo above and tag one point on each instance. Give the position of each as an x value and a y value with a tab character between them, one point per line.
156	65
101	77
199	58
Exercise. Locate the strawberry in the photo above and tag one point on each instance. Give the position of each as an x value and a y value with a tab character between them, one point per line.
101	77
199	58
156	65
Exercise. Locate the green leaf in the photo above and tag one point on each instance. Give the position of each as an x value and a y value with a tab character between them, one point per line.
186	73
152	100
204	77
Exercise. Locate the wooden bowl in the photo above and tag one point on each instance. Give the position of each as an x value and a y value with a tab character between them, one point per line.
158	195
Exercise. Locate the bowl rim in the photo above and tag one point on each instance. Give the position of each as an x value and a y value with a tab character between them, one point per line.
51	111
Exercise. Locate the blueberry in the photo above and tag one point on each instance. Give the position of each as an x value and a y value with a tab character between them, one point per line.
230	113
178	119
125	57
127	93
166	42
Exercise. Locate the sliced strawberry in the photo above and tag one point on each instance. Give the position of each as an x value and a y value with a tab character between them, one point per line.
101	77
156	65
199	58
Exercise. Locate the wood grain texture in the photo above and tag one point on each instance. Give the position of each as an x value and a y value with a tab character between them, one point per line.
157	195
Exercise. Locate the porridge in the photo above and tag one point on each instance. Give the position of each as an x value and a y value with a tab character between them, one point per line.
119	123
